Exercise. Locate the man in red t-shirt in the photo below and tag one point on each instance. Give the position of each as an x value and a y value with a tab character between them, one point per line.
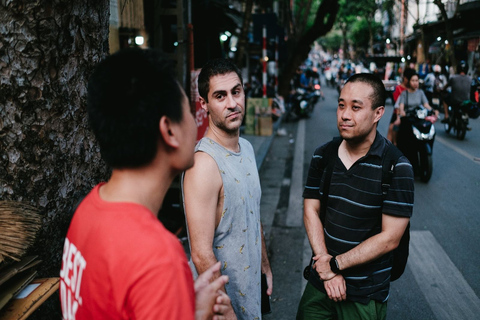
119	262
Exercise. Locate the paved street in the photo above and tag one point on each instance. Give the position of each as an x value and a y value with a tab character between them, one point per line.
442	280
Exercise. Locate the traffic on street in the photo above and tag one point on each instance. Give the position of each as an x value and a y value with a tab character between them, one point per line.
441	280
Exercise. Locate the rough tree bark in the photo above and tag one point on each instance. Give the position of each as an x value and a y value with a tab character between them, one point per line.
48	157
300	46
242	38
448	31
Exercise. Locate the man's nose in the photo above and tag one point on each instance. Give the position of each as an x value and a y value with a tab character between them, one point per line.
231	102
345	113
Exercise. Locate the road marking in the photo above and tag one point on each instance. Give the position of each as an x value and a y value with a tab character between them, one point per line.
457	149
442	284
295	200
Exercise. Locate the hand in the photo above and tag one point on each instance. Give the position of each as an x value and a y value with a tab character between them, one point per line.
223	308
206	293
269	282
322	266
397	121
336	288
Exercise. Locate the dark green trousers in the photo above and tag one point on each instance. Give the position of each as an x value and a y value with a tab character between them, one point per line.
315	305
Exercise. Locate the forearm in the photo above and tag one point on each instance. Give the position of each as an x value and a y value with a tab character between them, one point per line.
204	259
314	228
265	261
367	251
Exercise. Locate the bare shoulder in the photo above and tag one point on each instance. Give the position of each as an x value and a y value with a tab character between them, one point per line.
204	173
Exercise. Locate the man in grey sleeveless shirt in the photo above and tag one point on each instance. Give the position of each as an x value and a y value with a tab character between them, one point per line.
222	194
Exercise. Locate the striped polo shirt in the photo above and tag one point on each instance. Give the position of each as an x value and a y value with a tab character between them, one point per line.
354	214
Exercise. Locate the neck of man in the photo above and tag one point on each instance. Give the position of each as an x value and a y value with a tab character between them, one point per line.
145	186
354	149
228	140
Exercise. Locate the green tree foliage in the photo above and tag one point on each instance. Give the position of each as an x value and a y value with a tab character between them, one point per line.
360	33
332	41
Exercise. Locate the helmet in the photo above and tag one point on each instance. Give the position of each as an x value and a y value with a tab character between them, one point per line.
437	68
462	67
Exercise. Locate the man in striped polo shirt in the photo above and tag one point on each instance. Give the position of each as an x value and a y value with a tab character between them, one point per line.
352	249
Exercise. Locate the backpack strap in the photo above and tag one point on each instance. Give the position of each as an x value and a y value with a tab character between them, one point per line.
390	159
327	163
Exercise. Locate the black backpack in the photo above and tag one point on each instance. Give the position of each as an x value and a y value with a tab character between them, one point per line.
390	158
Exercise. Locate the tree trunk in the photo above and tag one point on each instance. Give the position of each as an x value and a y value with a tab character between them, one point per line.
242	38
300	49
346	52
449	32
48	156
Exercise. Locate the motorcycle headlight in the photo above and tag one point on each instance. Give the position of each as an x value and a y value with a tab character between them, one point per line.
424	136
417	133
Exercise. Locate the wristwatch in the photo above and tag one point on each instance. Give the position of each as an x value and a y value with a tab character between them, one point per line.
334	265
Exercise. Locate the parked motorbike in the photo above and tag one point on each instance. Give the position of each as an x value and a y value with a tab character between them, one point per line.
415	139
301	103
459	117
317	92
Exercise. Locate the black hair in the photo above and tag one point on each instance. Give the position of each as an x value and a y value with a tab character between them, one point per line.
218	66
462	67
409	73
379	94
128	93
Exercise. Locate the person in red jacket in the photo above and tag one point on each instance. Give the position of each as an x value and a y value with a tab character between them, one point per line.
395	120
119	261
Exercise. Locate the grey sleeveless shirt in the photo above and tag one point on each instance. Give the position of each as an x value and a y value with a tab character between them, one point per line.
237	242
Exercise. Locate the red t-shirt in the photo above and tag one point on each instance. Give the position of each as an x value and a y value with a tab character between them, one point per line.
398	91
119	262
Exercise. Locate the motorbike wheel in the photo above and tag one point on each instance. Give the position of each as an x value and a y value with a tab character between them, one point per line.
448	127
461	130
425	167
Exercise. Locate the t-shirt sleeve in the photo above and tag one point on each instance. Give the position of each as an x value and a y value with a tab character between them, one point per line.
162	289
424	98
312	186
401	98
400	196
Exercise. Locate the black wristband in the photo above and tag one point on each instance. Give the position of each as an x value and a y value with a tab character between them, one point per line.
334	265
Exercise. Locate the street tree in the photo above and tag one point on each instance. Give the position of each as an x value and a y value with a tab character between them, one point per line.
300	41
449	31
48	156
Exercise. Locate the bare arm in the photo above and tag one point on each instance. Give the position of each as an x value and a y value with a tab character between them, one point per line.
266	265
335	285
201	203
401	107
313	226
387	240
369	250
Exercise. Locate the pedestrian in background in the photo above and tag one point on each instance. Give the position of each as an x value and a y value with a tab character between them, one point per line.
460	85
434	83
119	261
395	119
352	247
413	97
222	194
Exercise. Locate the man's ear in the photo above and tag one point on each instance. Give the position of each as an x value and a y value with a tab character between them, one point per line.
203	104
168	132
379	113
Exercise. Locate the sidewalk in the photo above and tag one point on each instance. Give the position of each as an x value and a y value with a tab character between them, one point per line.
261	144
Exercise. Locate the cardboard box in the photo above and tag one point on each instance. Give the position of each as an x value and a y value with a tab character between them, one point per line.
259	117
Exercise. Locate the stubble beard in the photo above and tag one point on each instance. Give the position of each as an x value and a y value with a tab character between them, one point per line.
223	125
